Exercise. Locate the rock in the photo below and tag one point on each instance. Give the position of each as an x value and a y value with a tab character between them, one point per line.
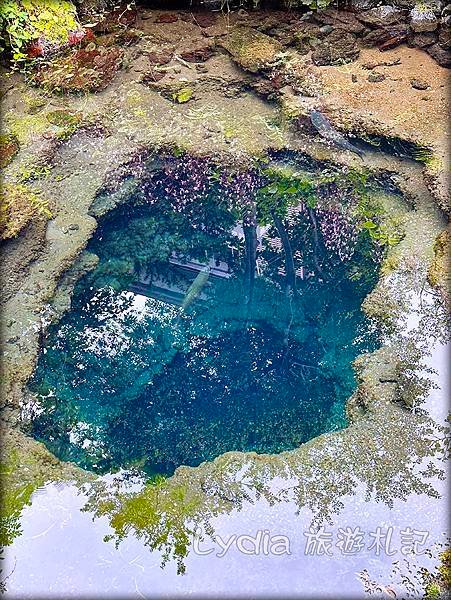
393	36
340	19
285	34
167	18
423	18
381	16
83	70
404	4
197	54
152	76
376	77
337	48
307	36
116	19
422	40
444	38
359	6
419	84
160	57
252	50
439	54
204	19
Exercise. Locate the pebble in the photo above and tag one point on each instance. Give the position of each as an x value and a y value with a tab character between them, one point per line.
419	84
376	77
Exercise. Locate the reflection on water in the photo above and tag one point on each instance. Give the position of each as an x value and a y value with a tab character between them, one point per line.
255	360
234	337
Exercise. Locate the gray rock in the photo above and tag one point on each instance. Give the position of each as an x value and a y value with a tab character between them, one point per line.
376	77
423	18
444	38
419	84
381	16
439	54
361	5
338	47
423	40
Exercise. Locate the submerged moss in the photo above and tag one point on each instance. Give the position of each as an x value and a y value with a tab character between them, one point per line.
89	69
9	147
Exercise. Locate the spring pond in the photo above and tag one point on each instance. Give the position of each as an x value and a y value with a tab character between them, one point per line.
224	314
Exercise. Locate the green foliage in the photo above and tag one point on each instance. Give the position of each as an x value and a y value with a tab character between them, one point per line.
164	515
384	230
23	21
14	496
433	592
445	568
285	189
63	118
33	172
423	154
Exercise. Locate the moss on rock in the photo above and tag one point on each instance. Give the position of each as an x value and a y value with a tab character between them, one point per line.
252	50
18	206
89	69
9	147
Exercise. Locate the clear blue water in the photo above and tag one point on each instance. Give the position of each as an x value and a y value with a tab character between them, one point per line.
172	353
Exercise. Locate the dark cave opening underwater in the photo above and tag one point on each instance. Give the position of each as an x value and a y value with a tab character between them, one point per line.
223	315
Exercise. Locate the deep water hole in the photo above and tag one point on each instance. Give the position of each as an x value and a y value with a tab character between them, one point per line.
224	314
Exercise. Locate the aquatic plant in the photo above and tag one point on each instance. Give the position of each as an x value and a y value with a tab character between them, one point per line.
339	231
239	189
187	180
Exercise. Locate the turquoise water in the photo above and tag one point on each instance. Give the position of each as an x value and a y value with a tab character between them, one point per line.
186	342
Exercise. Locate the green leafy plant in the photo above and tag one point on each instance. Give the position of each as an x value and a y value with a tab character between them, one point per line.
24	21
283	191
